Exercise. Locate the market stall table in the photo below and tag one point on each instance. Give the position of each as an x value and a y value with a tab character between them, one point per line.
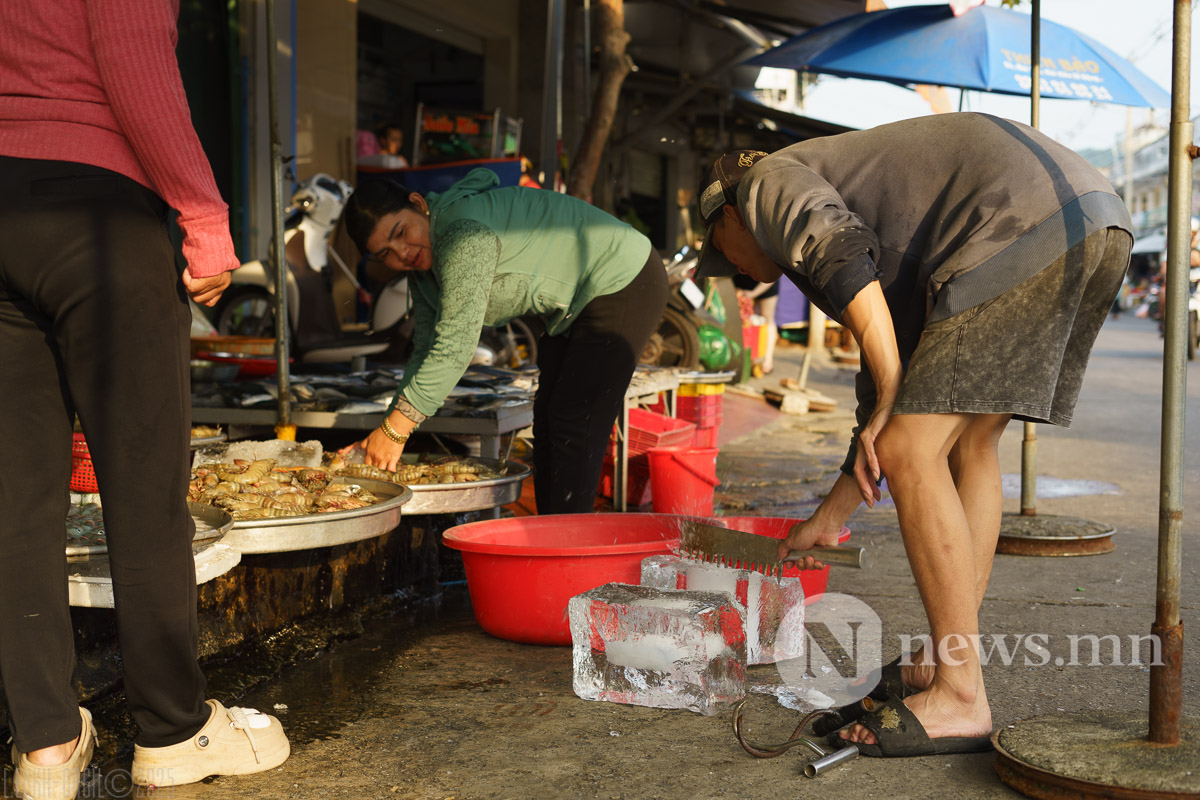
489	424
644	387
89	579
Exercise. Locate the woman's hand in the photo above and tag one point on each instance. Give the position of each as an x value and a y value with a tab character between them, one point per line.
806	535
378	450
866	462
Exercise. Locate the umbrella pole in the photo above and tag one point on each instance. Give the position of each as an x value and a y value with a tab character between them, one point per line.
1029	445
1166	676
284	429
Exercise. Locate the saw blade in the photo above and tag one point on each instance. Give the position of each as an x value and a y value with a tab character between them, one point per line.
741	550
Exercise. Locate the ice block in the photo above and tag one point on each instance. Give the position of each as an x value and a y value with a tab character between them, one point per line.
658	647
773	607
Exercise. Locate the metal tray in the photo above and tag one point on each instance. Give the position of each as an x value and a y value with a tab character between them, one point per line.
453	498
212	523
309	531
89	581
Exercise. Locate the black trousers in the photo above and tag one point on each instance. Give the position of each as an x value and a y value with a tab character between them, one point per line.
94	322
584	374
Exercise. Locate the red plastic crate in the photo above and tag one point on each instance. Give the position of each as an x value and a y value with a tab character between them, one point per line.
637	485
648	430
83	477
705	411
706	437
705	404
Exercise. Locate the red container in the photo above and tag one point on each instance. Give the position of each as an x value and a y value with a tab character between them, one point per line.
522	571
706	437
648	430
683	479
754	339
637	484
83	477
814	581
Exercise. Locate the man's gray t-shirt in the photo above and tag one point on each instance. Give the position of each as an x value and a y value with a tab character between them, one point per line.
946	211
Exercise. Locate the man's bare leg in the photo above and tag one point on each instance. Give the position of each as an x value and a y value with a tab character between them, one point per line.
914	452
975	467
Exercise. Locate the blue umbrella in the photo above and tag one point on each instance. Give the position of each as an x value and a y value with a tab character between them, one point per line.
985	49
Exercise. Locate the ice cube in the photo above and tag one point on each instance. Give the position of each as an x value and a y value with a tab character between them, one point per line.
773	606
661	572
658	647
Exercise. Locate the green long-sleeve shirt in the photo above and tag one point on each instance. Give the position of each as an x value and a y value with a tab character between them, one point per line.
502	253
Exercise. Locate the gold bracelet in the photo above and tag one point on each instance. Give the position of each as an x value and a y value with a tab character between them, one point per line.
391	433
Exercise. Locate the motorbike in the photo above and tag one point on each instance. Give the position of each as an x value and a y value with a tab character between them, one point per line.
247	307
700	329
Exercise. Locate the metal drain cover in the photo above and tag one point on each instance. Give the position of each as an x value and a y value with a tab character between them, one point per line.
1053	535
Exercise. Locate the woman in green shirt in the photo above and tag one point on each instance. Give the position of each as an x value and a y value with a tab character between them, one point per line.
482	255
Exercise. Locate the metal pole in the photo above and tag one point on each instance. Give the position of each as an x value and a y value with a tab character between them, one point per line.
552	99
587	56
1166	679
284	429
1029	445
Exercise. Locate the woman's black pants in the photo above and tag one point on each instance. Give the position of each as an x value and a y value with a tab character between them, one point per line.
94	322
584	374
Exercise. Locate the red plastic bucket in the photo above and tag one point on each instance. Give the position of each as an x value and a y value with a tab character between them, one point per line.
522	571
682	480
814	581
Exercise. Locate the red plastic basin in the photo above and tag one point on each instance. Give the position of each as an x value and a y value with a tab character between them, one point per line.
522	571
814	581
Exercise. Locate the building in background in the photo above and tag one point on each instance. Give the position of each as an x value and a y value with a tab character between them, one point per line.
344	67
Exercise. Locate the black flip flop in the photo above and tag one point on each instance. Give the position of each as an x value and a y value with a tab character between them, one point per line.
899	734
890	683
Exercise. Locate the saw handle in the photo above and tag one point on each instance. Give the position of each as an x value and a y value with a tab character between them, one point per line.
837	556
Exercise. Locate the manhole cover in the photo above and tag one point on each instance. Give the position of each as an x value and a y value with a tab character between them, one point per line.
1053	535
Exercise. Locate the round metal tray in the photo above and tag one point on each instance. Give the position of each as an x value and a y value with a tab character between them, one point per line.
212	523
309	531
453	498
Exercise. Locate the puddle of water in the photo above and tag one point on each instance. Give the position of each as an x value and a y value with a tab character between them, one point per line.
1057	487
316	666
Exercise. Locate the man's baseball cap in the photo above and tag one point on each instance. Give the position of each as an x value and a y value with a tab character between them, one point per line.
718	187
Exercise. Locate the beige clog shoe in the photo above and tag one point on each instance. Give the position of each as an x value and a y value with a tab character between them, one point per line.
60	782
234	741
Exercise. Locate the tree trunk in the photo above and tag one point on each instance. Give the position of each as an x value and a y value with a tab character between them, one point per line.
614	66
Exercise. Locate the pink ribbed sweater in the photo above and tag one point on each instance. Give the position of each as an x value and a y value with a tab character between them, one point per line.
97	82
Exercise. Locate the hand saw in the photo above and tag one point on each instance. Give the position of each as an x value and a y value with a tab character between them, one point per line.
743	550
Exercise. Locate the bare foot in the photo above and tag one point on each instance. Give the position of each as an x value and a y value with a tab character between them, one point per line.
917	670
54	755
942	713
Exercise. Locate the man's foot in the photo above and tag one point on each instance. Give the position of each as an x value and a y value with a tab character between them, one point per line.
918	672
234	741
54	775
942	713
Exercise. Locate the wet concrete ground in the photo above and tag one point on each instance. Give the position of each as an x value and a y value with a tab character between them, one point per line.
424	705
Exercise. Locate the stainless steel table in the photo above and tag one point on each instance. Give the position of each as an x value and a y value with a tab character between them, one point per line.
489	425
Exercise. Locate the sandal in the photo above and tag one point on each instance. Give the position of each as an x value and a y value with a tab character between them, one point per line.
890	684
899	734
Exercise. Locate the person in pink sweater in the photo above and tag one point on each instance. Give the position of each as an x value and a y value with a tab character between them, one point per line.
96	144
